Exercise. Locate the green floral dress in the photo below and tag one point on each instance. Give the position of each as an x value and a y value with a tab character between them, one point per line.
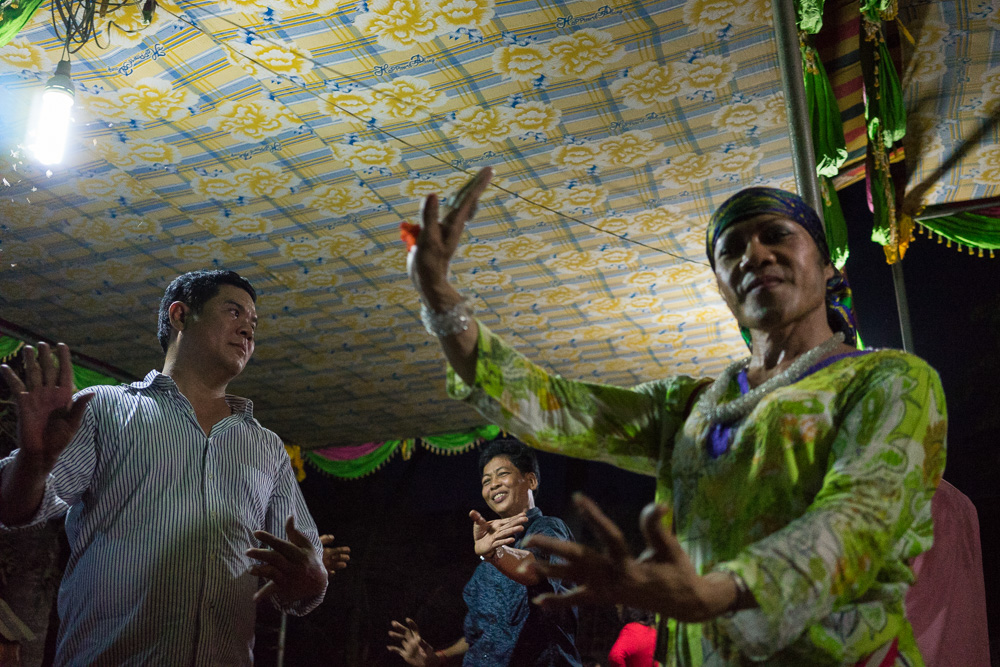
819	503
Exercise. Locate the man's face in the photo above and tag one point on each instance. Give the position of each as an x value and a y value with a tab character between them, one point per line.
223	332
505	488
770	272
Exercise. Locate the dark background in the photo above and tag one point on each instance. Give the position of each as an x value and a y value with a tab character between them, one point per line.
408	527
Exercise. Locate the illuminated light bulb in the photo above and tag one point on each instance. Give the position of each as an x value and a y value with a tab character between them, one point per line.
50	127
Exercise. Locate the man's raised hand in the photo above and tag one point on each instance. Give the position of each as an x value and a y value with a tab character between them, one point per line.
334	558
488	536
47	415
293	568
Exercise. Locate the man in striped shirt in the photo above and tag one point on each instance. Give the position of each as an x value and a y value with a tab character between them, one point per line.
173	492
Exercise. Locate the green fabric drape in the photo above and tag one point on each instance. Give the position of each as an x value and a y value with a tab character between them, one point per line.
970	229
9	347
84	377
829	144
358	467
456	443
835	223
13	19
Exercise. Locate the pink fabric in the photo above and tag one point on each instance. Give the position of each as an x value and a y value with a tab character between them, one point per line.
348	453
947	604
634	647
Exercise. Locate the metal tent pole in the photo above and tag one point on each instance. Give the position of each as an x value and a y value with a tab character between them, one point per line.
902	306
799	128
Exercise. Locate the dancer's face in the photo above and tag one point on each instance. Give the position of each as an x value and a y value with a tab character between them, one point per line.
506	489
770	272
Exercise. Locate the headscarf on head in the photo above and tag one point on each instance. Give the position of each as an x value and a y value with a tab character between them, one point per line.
759	200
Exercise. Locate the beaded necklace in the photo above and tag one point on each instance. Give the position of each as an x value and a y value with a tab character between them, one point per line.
741	406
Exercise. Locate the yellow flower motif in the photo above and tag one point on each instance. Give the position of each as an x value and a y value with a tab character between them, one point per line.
685	272
636	342
991	82
478	127
708	316
249	120
684	169
927	66
739	117
295	7
237	223
630	149
932	35
709	73
520	299
20	55
559	296
534	117
574	261
328	247
643	302
477	251
215	187
397	295
616	224
405	98
137	152
658	220
454	14
989	157
485	280
264	180
360	299
103	107
576	156
558	336
398	24
294	301
520	63
584	195
648	84
155	99
596	332
367	153
390	263
312	280
521	248
112	186
713	15
585	54
338	200
203	252
534	203
113	271
740	161
24	215
111	230
642	279
618	256
374	320
530	321
605	306
277	56
16	252
348	105
617	365
245	6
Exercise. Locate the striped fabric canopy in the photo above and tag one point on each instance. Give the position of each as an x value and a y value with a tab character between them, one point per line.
287	139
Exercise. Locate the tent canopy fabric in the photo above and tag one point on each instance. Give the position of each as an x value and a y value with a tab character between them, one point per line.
287	140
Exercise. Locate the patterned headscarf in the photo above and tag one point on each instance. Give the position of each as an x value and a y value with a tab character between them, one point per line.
758	200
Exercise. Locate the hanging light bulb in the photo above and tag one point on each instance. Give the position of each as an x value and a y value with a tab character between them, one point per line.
47	137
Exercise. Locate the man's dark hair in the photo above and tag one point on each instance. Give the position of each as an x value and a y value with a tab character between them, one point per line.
522	456
195	288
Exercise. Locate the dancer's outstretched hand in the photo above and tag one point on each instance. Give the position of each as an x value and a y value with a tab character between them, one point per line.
412	647
47	415
438	239
334	558
662	579
488	536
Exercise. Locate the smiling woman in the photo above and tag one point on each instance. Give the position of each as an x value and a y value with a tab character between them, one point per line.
798	482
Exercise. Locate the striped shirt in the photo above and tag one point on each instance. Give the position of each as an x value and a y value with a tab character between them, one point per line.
159	520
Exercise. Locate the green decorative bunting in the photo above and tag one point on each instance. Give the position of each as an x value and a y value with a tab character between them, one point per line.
969	229
14	17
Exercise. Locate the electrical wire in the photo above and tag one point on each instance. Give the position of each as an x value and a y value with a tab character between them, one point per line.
433	156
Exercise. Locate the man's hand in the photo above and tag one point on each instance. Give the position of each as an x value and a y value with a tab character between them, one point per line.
334	558
488	536
412	647
294	570
661	579
47	415
428	261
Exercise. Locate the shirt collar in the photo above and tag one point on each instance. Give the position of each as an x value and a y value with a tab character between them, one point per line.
157	381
